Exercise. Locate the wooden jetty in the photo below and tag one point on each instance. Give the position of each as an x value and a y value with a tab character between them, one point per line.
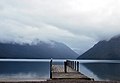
70	70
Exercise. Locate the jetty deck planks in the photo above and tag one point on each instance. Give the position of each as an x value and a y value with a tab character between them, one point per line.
58	73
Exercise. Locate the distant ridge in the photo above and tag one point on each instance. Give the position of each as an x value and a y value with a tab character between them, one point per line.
104	50
41	50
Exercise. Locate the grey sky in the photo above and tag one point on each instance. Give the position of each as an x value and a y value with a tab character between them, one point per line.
77	23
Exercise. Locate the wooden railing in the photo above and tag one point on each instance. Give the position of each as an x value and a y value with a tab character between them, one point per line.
72	64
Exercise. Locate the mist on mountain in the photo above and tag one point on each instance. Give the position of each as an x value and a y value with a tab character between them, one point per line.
41	50
104	50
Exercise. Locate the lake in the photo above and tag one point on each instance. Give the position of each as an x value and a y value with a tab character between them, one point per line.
39	68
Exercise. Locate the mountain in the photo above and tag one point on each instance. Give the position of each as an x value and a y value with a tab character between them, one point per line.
104	50
40	50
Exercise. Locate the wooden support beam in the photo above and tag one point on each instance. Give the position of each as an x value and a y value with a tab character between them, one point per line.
72	64
78	66
51	69
75	65
65	66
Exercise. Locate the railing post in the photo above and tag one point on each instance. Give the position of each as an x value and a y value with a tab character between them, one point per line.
68	64
51	69
65	66
72	64
78	66
75	65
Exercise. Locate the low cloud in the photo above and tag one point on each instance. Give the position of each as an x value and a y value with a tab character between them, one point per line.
78	23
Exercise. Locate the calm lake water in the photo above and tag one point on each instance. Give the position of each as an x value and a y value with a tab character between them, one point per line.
39	69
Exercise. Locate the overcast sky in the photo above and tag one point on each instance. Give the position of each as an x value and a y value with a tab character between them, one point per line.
77	23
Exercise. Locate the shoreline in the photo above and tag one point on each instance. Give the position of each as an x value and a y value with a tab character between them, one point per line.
56	81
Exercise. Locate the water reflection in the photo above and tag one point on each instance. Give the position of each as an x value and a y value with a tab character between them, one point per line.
39	68
24	70
105	71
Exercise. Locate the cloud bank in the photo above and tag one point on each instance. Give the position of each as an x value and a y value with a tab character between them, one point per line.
77	23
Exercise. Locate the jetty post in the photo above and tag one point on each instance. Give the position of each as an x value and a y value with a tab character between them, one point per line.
65	66
51	68
77	66
72	64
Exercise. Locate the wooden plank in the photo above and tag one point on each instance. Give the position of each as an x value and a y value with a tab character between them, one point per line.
60	68
59	73
67	75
